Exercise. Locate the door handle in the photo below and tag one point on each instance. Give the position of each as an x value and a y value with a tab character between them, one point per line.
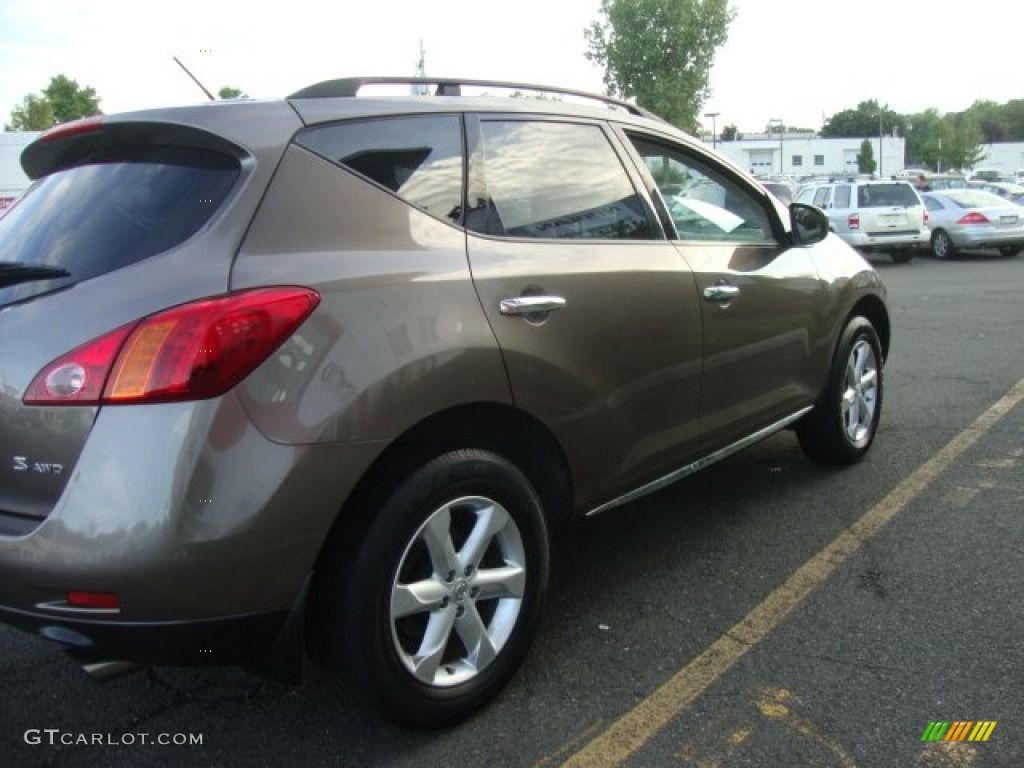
721	292
530	305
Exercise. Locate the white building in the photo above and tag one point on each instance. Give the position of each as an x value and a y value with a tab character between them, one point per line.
1006	157
13	180
807	154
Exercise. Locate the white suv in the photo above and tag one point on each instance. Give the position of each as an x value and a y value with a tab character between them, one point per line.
873	215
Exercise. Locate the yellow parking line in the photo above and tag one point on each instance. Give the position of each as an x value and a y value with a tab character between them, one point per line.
633	730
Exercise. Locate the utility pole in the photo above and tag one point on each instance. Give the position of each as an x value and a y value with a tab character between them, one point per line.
420	89
714	128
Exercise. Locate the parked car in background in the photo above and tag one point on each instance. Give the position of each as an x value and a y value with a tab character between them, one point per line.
872	216
1004	189
327	372
780	189
940	181
961	219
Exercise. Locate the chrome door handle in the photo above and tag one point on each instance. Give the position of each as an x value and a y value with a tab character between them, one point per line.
528	305
721	292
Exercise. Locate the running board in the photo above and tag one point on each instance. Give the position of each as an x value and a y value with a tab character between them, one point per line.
711	458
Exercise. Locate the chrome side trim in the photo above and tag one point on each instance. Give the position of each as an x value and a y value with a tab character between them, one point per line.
699	464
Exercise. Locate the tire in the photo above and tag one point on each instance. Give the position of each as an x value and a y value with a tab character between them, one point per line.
942	246
842	426
431	613
902	257
1009	250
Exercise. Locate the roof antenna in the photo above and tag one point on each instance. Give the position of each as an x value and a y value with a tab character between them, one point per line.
194	78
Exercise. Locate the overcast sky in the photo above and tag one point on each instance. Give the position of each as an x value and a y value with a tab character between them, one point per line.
798	60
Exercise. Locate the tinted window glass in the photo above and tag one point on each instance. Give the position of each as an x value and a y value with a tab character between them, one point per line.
556	180
417	158
703	202
842	196
880	195
129	204
821	196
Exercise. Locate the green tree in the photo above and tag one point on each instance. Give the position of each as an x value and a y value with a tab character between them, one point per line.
863	121
62	100
866	158
731	133
69	100
33	114
230	92
660	53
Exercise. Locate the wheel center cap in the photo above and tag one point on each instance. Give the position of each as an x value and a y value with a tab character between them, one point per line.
460	591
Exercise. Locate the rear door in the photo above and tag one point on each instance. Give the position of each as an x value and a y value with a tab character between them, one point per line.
595	311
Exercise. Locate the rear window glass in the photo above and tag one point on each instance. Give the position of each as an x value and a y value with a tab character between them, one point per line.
115	210
975	198
879	195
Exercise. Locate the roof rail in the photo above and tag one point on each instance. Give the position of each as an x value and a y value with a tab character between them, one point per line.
348	87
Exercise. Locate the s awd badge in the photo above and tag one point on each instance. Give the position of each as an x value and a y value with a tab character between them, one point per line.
22	464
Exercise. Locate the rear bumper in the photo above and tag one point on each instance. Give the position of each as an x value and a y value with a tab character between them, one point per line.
228	640
989	239
881	242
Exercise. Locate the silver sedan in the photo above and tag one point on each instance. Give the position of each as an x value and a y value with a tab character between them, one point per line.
971	218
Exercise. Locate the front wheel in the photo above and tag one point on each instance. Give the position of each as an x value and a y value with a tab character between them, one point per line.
842	426
433	611
1009	250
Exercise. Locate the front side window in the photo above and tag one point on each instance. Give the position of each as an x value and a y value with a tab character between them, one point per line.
554	180
418	158
704	203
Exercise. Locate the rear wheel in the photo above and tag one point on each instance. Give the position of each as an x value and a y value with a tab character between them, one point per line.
842	425
942	246
1010	250
433	611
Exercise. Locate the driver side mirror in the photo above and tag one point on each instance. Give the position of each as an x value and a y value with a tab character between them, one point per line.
809	224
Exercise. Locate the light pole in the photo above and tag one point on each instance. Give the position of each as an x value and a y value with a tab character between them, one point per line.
782	131
714	129
879	145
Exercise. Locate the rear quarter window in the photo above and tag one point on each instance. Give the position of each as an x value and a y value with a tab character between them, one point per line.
112	211
418	158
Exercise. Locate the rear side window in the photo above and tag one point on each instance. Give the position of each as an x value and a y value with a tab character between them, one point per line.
556	180
418	158
118	208
881	195
822	196
842	196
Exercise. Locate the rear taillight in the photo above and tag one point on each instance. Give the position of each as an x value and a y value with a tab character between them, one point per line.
190	352
853	221
924	216
973	218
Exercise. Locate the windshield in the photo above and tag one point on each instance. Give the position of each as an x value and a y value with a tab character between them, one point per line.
110	212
